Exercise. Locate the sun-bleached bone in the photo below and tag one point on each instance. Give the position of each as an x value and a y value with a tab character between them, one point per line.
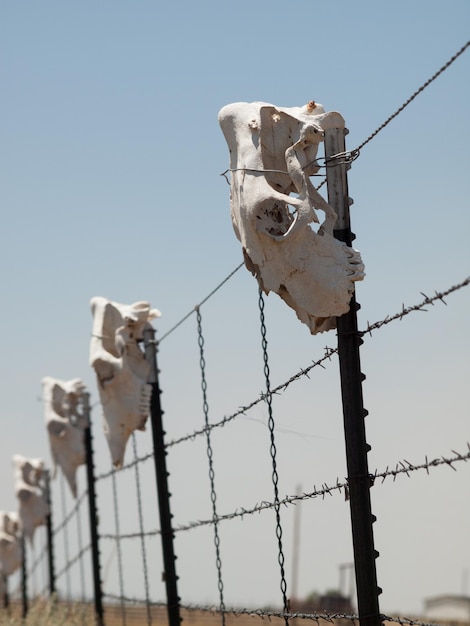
121	369
65	424
31	495
30	471
272	155
10	544
9	522
10	554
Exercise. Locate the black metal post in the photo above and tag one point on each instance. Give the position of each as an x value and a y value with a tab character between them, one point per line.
24	580
95	553
50	540
6	595
158	436
359	479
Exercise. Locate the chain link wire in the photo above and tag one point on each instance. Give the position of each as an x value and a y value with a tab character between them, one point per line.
80	551
273	451
118	550
66	537
227	278
210	453
328	354
141	528
404	468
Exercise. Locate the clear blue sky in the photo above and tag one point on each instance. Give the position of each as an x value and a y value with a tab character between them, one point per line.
110	158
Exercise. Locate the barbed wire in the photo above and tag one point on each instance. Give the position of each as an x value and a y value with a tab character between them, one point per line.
269	613
69	516
37	560
401	467
227	278
126	466
404	467
438	296
352	155
414	95
132	600
136	535
303	372
328	353
407	620
66	568
349	156
242	410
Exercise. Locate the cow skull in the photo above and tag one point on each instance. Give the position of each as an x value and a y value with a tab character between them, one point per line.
10	546
121	369
30	493
65	425
273	204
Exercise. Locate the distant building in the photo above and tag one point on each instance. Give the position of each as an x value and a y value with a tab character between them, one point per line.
330	602
335	603
448	607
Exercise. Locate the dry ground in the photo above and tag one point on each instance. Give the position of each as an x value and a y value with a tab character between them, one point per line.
45	613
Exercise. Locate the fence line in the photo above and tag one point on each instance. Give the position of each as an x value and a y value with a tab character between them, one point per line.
328	353
266	613
404	467
401	468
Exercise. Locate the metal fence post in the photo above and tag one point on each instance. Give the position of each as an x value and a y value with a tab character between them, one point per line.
158	436
93	513
6	595
24	580
50	540
359	479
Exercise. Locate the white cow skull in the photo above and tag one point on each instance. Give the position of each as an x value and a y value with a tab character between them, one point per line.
272	155
121	369
10	545
65	425
9	523
30	493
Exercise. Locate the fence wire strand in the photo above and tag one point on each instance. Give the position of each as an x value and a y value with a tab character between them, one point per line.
210	458
66	539
401	468
118	550
203	301
273	452
331	618
328	354
303	372
414	95
141	527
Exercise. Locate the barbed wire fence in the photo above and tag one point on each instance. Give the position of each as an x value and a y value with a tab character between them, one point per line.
37	557
137	550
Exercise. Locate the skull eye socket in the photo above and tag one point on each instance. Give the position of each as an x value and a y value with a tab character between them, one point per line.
275	217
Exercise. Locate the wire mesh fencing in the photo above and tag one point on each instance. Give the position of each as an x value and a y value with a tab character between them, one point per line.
253	437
